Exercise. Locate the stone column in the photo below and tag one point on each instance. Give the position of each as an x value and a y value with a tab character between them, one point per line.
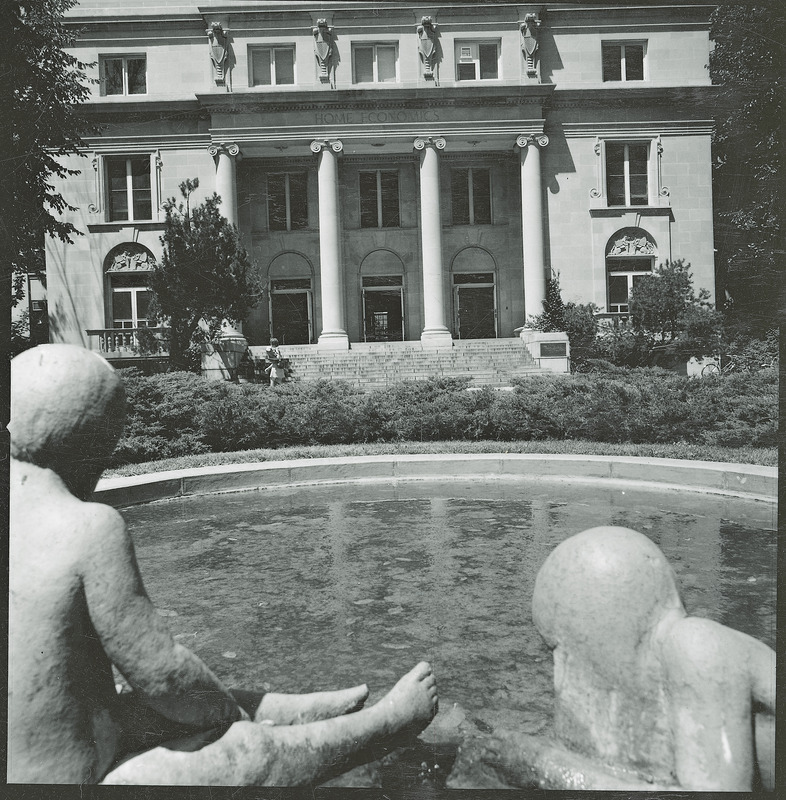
435	332
333	335
532	223
226	177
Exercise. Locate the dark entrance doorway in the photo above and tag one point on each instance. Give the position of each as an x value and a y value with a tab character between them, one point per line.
383	309
476	313
290	311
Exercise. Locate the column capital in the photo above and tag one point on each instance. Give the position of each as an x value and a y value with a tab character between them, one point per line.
229	148
318	145
429	141
523	140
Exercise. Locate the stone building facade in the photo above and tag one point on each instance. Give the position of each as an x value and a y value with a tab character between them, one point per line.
396	172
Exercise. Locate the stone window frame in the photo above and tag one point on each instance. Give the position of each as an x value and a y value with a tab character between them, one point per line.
373	46
379	197
459	43
622	44
103	58
657	193
287	199
102	189
255	49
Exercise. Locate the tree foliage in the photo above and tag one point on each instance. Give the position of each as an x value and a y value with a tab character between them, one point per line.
41	121
748	63
665	309
204	273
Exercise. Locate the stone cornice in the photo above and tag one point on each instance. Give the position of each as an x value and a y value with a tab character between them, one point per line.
626	129
436	97
697	98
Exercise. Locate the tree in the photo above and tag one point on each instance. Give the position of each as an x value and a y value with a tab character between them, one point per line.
204	273
40	122
748	63
667	312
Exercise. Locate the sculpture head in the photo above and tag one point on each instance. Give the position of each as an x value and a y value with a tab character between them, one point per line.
67	412
600	595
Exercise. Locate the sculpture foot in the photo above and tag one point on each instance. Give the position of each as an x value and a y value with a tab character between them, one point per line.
298	709
412	703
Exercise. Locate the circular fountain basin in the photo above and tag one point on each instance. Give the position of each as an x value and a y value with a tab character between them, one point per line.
330	575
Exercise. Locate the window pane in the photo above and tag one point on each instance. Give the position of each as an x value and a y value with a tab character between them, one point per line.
481	194
285	65
488	61
118	191
638	190
615	188
615	174
618	290
260	67
276	202
121	306
140	173
637	157
283	284
459	194
368	199
386	63
612	62
113	76
298	200
634	62
364	64
142	303
137	80
383	280
390	209
466	72
473	277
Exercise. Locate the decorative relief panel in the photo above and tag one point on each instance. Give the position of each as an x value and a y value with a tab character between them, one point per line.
129	257
631	242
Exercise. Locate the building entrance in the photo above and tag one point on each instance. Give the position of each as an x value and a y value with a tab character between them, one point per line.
383	309
290	311
475	304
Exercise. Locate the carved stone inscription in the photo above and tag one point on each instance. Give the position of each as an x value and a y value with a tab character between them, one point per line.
362	117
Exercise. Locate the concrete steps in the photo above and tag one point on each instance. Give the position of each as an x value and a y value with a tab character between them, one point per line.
367	365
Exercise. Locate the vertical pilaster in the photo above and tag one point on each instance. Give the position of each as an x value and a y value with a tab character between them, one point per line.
435	331
226	155
334	335
532	224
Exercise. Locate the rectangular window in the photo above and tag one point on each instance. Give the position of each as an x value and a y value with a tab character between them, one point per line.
130	301
477	61
272	66
374	63
123	75
470	191
627	174
287	201
379	203
623	62
129	193
623	274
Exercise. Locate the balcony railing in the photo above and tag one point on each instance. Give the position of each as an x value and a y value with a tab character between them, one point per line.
129	342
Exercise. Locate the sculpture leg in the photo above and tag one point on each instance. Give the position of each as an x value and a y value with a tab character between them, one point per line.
292	755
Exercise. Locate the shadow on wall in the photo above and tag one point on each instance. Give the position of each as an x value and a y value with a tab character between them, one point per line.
549	55
557	161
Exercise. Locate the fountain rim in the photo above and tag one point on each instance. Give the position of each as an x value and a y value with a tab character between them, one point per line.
742	481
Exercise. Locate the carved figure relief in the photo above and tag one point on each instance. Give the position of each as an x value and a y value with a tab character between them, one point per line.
129	257
217	38
427	47
529	42
632	242
323	48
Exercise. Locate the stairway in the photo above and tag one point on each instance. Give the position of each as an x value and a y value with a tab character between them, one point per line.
373	365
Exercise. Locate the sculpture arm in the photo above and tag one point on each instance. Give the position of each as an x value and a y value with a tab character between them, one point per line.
172	679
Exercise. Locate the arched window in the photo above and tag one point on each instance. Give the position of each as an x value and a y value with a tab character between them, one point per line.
127	267
630	253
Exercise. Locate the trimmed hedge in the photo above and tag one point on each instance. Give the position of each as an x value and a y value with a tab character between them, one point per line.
180	413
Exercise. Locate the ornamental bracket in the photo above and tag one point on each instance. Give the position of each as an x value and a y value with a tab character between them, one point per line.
529	42
219	50
427	47
323	48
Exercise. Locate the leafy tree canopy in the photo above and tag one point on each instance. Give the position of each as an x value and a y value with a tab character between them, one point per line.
748	61
40	122
204	274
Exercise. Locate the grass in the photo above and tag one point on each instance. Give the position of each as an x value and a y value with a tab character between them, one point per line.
765	456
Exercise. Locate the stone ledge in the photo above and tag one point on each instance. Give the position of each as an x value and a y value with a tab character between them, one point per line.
745	481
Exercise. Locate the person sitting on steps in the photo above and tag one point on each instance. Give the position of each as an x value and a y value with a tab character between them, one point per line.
78	606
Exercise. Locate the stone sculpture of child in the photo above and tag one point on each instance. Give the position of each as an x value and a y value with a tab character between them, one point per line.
78	606
646	697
